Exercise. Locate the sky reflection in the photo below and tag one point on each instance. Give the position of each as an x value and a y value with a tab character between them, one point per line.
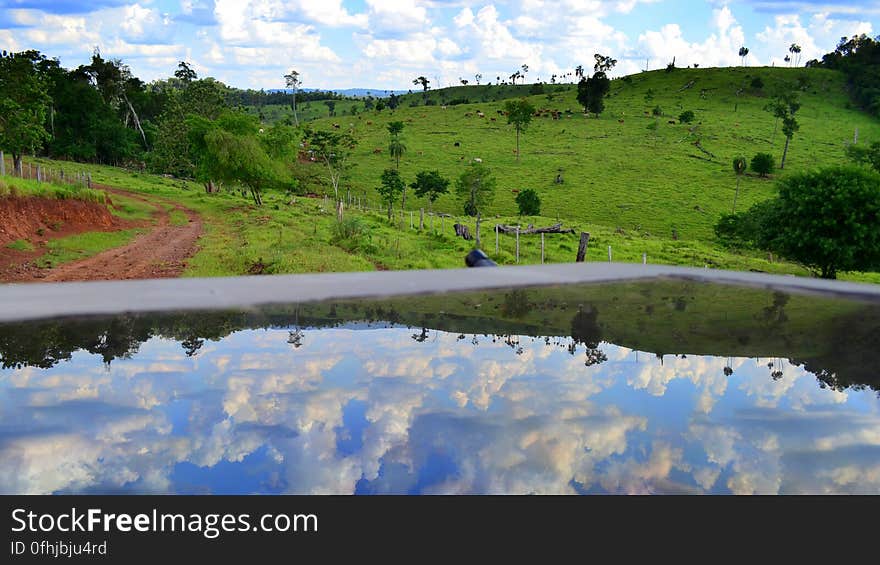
401	410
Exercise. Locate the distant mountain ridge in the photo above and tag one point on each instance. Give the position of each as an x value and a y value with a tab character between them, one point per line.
374	92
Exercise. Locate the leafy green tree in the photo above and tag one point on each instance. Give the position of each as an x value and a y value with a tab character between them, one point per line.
762	163
476	187
865	155
784	106
739	167
686	117
334	150
825	220
228	150
185	73
519	113
24	104
331	107
430	185
528	202
392	186
591	92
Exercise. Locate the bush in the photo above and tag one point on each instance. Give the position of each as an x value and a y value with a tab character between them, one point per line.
536	88
757	83
686	117
763	164
657	111
529	203
349	228
825	220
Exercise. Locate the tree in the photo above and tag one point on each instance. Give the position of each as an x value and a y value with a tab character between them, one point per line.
739	167
334	150
528	202
743	51
862	155
229	151
331	107
395	128
784	106
478	77
826	220
795	50
519	113
762	163
476	187
114	81
603	63
24	104
686	117
423	82
591	92
392	186
430	185
185	73
292	80
396	149
525	70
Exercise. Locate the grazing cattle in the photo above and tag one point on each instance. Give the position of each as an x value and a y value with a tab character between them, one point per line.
515	190
620	121
377	151
477	160
481	115
492	119
672	122
442	107
457	144
461	158
468	115
336	126
369	122
500	112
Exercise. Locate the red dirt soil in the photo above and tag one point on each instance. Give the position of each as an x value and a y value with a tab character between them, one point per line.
21	218
160	253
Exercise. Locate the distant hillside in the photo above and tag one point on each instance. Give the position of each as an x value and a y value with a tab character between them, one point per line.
628	169
353	92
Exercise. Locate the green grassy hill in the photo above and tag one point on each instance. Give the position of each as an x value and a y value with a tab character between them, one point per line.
617	171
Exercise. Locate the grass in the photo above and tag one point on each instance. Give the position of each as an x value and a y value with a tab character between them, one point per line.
131	208
626	185
20	245
84	245
14	187
177	217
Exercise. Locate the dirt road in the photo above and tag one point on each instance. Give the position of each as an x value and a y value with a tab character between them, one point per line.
160	253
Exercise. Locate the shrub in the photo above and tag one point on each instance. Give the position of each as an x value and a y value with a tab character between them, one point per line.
529	203
763	164
657	111
349	228
826	220
757	83
686	117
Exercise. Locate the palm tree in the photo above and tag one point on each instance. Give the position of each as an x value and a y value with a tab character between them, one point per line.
795	50
422	81
743	51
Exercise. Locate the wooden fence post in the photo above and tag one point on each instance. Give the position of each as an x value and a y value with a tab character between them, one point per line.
542	248
644	258
582	247
441	224
90	180
421	219
496	239
2	165
432	222
39	174
517	244
609	253
477	230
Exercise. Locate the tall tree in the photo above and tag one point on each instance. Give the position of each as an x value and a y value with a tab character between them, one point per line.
743	52
334	150
476	187
114	80
185	73
784	106
396	149
293	81
24	104
430	185
390	188
795	50
519	113
739	168
423	82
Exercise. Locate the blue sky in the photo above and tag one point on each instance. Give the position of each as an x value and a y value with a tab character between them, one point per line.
383	44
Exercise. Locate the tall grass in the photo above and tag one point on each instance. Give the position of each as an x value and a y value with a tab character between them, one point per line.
15	187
